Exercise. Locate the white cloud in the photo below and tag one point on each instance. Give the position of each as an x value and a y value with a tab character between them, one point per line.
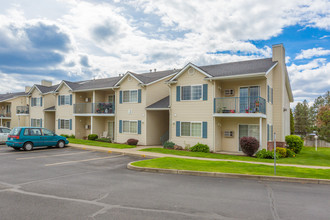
314	52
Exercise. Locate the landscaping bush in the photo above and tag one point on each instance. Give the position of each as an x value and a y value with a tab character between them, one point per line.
264	154
92	137
72	136
281	152
65	135
168	145
200	148
294	142
290	153
249	145
132	141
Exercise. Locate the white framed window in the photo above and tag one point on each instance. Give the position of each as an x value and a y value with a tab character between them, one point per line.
130	96
36	101
64	99
64	124
193	92
130	127
35	122
192	129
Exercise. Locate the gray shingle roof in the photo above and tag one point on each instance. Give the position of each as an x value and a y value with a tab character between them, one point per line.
153	76
239	68
7	96
96	84
50	109
163	103
46	89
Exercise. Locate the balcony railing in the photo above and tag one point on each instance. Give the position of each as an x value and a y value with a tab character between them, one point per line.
230	105
4	114
22	110
94	108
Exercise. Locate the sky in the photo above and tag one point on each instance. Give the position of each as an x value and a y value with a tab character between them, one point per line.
77	40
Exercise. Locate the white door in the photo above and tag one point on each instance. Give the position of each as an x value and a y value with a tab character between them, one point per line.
111	129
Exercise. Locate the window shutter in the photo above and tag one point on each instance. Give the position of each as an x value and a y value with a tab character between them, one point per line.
40	122
40	101
59	100
120	97
204	91
71	99
139	126
120	126
204	129
267	93
272	134
267	132
70	124
59	123
178	96
139	96
272	96
178	129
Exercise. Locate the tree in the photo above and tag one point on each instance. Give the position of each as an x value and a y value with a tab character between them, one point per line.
291	122
303	122
319	102
323	122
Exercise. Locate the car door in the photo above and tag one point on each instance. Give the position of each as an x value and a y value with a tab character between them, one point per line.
36	137
49	137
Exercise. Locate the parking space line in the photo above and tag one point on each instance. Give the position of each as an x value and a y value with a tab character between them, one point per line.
55	155
31	152
77	161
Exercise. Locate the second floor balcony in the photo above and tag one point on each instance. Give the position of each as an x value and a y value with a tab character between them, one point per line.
250	106
100	108
4	114
22	110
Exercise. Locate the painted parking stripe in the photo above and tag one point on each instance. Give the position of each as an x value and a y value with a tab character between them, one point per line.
55	155
77	161
31	152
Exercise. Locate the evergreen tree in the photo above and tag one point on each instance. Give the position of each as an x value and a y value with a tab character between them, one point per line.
302	116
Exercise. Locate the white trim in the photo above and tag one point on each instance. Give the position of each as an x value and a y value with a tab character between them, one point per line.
161	79
58	87
94	114
64	124
130	90
129	126
247	75
96	89
186	67
270	69
201	99
240	115
126	74
33	87
155	109
199	122
248	131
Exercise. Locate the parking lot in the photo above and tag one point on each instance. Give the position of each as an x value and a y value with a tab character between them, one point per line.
71	183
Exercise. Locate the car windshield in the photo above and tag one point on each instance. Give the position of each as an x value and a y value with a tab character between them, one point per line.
15	131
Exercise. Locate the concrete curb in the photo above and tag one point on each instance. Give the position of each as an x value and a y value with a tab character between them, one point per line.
229	175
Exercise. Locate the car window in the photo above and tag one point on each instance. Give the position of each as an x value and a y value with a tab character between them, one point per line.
1	130
15	131
5	130
47	132
26	132
35	132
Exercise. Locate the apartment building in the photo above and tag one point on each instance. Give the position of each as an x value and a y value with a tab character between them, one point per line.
215	105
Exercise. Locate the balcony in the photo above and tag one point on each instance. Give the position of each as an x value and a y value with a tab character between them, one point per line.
22	110
4	114
240	106
100	108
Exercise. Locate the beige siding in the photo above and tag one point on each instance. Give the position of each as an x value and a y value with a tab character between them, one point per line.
64	111
37	112
80	129
188	111
156	92
157	126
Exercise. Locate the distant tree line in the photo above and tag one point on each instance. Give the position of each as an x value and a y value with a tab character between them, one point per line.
305	119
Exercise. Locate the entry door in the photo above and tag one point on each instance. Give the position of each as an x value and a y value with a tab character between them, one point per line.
111	129
248	131
243	99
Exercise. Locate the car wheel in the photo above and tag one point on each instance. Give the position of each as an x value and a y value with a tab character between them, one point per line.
28	146
60	144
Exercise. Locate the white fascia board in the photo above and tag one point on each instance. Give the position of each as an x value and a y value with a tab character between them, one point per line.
155	109
33	87
84	90
186	67
160	79
237	76
59	86
270	69
127	73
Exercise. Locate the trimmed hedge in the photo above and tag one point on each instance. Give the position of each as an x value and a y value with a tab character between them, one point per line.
281	152
249	145
132	141
264	154
93	137
294	142
168	145
200	148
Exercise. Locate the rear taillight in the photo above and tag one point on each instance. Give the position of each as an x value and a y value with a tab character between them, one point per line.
13	136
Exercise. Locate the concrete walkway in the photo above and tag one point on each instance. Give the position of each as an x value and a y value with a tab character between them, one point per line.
136	152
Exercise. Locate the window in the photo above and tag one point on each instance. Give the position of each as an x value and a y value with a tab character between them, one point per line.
193	129
130	127
36	101
65	100
15	131
36	123
248	131
130	96
64	124
47	132
5	130
35	132
192	92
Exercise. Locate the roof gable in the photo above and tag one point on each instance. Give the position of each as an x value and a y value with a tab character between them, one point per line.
190	65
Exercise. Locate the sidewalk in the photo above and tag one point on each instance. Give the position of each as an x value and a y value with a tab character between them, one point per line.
137	153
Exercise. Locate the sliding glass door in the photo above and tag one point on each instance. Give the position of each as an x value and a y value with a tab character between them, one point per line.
248	98
248	131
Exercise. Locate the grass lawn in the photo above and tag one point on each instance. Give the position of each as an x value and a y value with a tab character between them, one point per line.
232	167
308	156
99	144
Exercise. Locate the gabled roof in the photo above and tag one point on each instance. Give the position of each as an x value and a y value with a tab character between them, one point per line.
43	89
96	84
50	109
8	96
161	104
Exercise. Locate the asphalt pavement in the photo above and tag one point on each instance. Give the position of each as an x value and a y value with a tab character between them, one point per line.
78	184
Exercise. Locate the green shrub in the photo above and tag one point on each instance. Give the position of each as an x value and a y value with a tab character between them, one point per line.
72	136
200	148
264	154
295	143
281	152
249	145
290	153
168	145
92	137
64	135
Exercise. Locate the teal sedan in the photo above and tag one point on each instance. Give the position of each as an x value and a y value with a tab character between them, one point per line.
31	137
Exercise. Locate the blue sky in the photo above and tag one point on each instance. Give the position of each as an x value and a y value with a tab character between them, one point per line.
75	39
